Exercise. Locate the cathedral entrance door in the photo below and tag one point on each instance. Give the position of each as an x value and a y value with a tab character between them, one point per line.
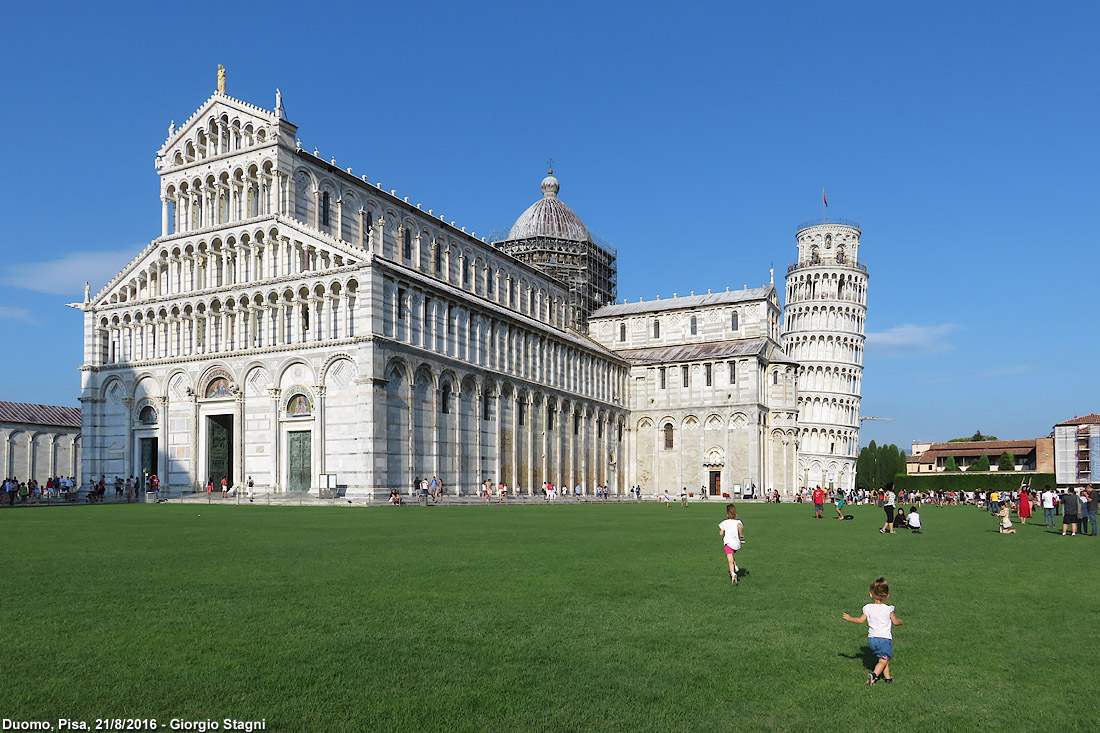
219	449
715	483
299	447
147	448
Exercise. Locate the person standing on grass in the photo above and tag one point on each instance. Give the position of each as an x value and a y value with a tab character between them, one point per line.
819	502
1070	505
1023	510
1047	499
1094	495
838	502
888	506
880	620
733	534
1083	509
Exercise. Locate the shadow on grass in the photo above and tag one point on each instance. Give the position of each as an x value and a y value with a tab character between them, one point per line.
865	654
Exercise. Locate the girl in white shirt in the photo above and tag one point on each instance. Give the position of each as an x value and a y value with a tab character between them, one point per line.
733	533
880	619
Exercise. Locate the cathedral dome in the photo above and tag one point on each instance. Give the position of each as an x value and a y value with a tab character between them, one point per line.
549	217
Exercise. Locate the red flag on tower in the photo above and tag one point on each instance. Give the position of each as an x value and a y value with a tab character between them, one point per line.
824	200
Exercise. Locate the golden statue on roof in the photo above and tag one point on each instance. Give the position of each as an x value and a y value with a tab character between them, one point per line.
221	79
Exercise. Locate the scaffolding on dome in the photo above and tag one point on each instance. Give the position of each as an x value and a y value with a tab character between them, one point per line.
589	270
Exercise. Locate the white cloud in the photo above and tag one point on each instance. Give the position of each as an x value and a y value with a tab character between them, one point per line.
18	314
67	275
912	340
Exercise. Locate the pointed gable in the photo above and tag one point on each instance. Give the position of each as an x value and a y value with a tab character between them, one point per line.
219	120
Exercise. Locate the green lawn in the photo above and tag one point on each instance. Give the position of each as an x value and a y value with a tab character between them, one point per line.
540	618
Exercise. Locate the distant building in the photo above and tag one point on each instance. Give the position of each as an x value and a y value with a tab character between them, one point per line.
39	441
1076	441
1035	455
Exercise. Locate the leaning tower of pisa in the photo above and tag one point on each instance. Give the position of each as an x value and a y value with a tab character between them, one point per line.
823	329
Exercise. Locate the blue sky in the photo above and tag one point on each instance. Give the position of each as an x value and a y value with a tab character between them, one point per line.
695	137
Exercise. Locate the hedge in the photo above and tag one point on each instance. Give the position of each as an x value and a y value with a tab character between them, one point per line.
973	481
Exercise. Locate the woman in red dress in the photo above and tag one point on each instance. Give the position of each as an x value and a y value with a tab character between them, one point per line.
1024	510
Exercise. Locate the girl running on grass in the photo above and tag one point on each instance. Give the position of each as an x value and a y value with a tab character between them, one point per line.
880	618
734	533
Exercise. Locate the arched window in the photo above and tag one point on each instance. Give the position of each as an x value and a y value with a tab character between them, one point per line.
406	244
622	332
368	221
775	377
668	436
694	325
438	259
147	416
445	400
734	322
656	329
324	209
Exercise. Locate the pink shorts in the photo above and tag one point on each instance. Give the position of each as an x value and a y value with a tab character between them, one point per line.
729	550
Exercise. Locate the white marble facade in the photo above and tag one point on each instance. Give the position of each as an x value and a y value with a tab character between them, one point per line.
823	330
294	321
712	396
38	442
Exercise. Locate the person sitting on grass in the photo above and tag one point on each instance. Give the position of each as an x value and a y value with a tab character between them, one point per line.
880	618
1006	523
914	520
900	521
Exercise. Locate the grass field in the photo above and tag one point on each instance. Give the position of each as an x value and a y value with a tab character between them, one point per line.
540	618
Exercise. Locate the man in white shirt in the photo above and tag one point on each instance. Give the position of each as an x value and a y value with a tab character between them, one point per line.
1047	498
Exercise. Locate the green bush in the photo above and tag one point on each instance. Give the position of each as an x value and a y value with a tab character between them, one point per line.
951	465
982	464
973	481
1007	462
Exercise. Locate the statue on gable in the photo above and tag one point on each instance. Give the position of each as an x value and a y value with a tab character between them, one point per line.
221	79
172	128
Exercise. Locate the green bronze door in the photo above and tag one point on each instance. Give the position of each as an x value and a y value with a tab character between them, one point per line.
298	460
219	449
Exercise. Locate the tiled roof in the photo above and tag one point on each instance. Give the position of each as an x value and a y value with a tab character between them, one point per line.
690	301
22	412
976	448
699	352
1092	419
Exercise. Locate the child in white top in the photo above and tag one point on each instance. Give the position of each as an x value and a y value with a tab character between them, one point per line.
880	618
733	533
913	520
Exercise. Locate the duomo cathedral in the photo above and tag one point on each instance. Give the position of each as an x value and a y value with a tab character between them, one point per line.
297	324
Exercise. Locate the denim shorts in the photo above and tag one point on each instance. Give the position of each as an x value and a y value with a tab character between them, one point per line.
881	648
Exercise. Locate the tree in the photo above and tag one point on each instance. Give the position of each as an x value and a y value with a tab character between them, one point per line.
951	465
865	465
1007	462
982	464
975	437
